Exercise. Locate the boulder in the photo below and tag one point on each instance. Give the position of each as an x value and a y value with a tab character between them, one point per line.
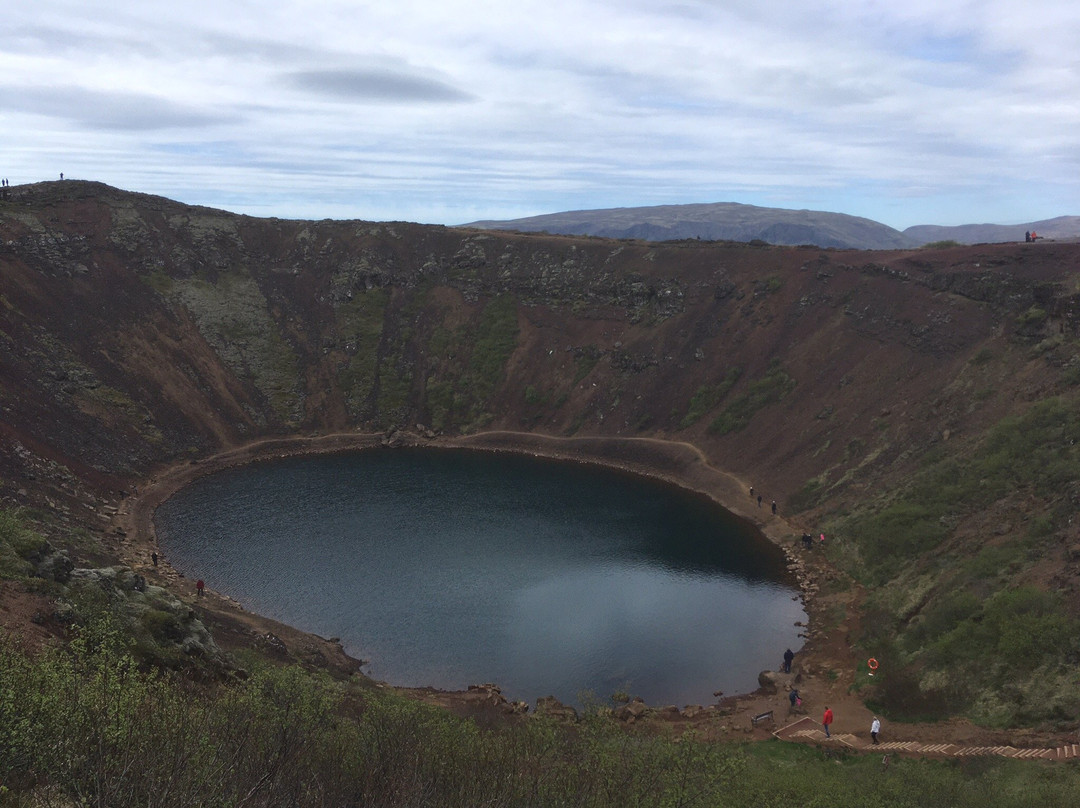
515	707
770	681
57	566
487	694
631	712
551	706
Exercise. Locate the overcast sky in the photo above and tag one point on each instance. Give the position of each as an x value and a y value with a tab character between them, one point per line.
449	111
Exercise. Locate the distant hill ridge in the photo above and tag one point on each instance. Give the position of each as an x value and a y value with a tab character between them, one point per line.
732	221
1061	228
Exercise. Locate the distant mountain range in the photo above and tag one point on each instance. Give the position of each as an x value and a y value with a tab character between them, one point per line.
730	221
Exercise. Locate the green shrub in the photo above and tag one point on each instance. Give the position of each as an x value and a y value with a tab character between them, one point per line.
495	340
760	393
163	626
534	396
994	560
359	325
809	495
1032	316
708	396
20	547
584	363
945	614
96	730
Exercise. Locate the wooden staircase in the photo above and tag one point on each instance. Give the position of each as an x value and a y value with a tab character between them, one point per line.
806	730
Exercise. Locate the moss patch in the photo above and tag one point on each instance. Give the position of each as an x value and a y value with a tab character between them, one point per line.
760	393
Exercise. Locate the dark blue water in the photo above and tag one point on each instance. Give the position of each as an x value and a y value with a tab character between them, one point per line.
451	568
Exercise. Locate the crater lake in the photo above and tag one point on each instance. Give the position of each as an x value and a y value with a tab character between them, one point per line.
447	568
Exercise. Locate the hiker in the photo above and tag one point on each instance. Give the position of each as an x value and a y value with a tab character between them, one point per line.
61	175
826	720
759	500
153	557
788	656
199	586
793	697
822	538
1034	235
751	492
1027	236
875	728
774	507
807	540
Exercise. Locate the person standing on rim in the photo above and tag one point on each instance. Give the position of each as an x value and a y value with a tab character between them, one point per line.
788	656
826	720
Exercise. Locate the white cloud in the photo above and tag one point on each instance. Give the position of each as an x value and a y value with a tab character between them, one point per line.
452	110
378	85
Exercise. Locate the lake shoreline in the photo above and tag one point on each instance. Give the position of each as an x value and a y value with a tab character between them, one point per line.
671	462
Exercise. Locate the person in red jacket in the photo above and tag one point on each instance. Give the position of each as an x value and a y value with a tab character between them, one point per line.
826	720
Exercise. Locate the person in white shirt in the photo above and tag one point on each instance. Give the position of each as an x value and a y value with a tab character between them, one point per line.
875	728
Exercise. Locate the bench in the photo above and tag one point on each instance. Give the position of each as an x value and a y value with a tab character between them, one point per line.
761	718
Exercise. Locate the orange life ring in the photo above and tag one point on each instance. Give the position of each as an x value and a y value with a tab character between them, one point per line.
871	663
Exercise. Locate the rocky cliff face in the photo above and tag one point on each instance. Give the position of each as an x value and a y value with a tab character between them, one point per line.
137	331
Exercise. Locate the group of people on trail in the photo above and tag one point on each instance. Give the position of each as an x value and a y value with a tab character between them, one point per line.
827	719
795	700
807	539
1031	235
200	585
760	498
